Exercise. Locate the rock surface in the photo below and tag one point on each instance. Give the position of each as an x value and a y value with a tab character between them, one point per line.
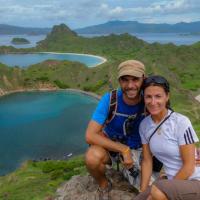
85	188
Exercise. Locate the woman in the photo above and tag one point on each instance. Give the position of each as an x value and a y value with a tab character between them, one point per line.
170	137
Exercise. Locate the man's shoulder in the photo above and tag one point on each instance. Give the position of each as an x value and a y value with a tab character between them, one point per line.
106	96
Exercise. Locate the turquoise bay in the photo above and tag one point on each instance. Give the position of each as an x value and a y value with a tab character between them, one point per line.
25	60
38	125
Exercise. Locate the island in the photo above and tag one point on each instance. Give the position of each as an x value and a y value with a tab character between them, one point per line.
39	179
20	41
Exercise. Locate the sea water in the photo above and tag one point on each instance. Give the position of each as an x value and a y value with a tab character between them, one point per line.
42	125
25	60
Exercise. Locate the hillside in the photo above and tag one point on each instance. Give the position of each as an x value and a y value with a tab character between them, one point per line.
120	27
179	64
16	30
39	180
117	27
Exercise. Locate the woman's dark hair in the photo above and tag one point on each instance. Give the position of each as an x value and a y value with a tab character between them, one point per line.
156	80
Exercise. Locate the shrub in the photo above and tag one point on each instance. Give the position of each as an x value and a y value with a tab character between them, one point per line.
61	84
56	174
42	78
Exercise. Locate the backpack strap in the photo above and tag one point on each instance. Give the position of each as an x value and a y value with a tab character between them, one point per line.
112	106
160	125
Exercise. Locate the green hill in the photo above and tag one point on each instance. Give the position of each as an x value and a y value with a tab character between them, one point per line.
20	41
136	27
6	29
179	64
39	180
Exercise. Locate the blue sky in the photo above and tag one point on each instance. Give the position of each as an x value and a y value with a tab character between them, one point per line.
81	13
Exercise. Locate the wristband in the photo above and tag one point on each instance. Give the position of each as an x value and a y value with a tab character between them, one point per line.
126	150
139	190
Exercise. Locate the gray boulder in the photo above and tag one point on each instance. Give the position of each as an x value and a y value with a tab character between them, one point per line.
85	188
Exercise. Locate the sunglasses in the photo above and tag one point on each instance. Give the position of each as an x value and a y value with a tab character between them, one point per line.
157	80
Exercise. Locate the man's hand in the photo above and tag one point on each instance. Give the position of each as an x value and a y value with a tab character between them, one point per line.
127	158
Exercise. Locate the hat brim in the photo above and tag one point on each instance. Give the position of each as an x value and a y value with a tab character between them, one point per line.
131	73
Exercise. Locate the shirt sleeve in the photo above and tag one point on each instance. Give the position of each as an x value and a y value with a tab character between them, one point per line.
101	113
142	132
186	133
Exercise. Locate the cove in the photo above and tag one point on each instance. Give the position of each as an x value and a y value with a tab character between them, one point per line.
25	60
38	125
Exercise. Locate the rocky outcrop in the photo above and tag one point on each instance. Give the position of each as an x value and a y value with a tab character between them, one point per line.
7	83
85	188
198	98
2	92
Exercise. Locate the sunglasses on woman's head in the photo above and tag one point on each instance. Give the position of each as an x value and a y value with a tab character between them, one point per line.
158	80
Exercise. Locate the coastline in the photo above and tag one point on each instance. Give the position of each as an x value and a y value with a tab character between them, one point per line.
103	60
91	94
81	54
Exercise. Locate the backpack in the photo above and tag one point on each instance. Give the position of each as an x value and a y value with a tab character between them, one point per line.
112	106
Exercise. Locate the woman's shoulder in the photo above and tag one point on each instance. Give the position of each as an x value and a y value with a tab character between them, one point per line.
180	118
146	120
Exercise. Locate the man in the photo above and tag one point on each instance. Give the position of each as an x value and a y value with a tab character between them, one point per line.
120	134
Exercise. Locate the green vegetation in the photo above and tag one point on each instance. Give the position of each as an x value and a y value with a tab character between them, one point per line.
39	180
179	64
20	41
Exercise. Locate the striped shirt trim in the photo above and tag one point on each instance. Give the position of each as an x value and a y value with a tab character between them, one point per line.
188	136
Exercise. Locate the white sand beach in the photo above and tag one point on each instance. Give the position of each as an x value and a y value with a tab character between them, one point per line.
103	60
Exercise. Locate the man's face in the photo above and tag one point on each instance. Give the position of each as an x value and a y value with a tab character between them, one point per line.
130	86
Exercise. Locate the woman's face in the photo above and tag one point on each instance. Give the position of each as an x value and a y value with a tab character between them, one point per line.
155	99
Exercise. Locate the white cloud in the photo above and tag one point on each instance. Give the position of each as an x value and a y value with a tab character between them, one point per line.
80	13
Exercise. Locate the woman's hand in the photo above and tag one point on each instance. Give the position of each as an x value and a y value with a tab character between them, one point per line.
197	162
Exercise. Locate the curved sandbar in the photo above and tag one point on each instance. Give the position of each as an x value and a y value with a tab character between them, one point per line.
24	60
2	92
103	60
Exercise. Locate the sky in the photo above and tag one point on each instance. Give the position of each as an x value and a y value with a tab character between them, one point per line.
82	13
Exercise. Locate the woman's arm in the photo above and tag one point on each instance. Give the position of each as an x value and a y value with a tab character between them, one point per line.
146	167
188	157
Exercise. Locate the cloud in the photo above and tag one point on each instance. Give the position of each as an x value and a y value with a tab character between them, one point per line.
80	13
153	11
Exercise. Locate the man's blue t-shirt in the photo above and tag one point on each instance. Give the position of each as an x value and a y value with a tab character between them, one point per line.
115	129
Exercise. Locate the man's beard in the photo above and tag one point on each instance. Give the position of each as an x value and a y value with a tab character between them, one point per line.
130	93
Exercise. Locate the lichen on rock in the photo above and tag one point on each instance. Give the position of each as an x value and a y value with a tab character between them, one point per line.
85	188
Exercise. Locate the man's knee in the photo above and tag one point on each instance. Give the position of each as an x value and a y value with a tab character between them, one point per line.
157	194
95	156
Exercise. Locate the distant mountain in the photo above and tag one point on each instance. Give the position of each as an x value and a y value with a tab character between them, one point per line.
60	35
136	27
16	30
62	30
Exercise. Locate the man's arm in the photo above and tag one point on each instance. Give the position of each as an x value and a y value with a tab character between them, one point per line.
94	136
